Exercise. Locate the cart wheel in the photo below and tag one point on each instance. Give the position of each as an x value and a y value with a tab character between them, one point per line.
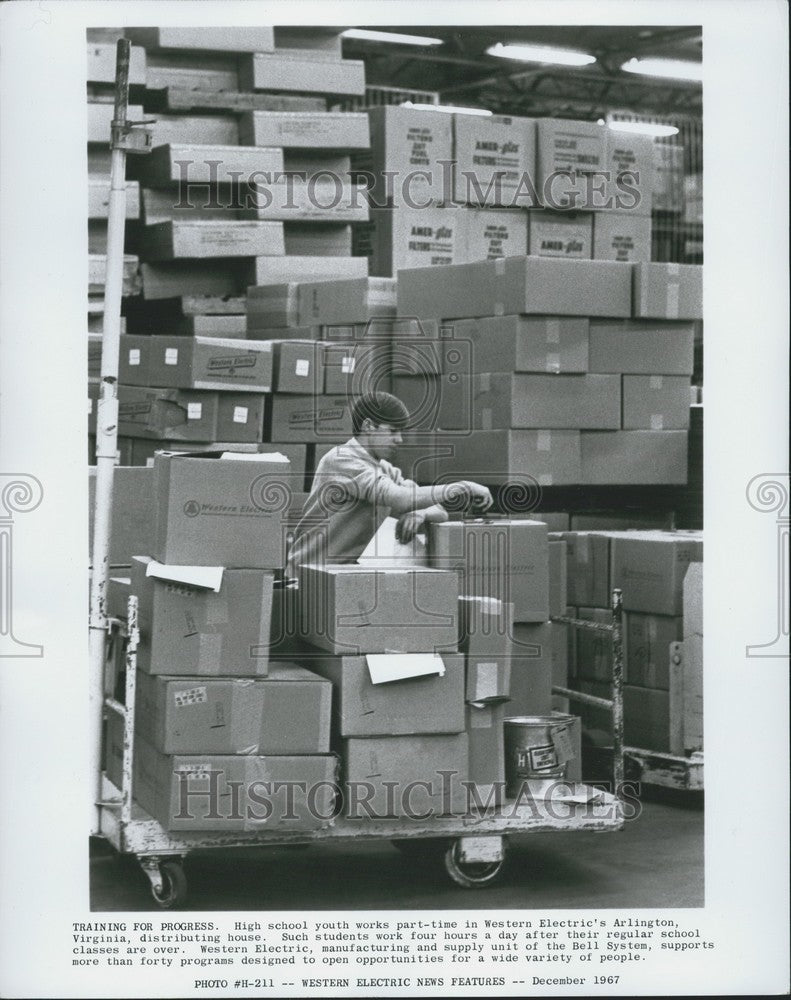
173	891
471	875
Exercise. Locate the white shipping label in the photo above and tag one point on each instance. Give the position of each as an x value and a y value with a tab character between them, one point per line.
194	411
545	479
172	356
348	365
302	367
192	696
553	363
544	441
486	675
563	744
240	414
134	356
657	422
655	382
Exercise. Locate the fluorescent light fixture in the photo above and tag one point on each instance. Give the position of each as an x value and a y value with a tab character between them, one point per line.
541	54
389	36
669	69
643	128
449	109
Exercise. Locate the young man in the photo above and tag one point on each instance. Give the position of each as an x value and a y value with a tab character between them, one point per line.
356	487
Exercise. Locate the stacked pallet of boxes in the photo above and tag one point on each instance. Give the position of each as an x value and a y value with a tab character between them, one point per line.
247	183
217	724
511	578
456	189
660	576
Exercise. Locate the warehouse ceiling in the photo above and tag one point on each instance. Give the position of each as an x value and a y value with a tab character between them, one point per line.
462	73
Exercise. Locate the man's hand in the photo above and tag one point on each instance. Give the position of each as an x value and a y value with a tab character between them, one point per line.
409	525
480	497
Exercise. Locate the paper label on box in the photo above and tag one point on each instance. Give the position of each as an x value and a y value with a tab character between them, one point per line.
172	356
485	681
240	414
553	362
544	441
194	411
302	367
192	696
657	422
540	758
134	356
562	742
348	365
655	382
545	479
553	331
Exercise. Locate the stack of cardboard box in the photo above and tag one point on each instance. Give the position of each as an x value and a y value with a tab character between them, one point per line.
662	697
217	725
570	371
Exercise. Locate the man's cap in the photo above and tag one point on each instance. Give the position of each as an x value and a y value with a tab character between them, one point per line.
381	408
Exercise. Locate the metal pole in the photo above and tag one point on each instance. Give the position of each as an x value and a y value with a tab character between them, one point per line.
107	419
617	691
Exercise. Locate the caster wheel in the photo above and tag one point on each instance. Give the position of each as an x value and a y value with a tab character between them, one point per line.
174	885
471	874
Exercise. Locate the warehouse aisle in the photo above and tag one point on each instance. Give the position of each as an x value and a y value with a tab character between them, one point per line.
656	861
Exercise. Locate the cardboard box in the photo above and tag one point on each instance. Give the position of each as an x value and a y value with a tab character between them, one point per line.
94	355
318	200
465	290
647	719
532	670
486	234
219	511
261	71
99	198
561	234
198	164
240	794
356	300
668	185
648	639
287	713
668	291
554	520
650	566
299	366
563	287
174	240
693	600
656	402
316	164
486	750
621	236
564	402
186	628
563	641
214	39
97	269
317	419
412	706
588	568
277	270
485	633
305	129
350	610
571	157
620	521
194	277
234	325
526	343
100	117
637	457
492	158
354	368
410	157
240	419
311	238
630	162
594	660
404	237
408	776
132	513
101	64
167	414
506	559
501	457
211	130
273	306
641	347
211	363
558	577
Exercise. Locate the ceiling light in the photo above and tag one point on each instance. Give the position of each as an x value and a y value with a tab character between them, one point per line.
644	128
389	36
541	54
673	69
450	109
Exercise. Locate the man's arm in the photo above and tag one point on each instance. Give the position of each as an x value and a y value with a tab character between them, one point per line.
407	496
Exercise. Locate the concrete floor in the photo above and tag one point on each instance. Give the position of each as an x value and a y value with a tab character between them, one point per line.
656	861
